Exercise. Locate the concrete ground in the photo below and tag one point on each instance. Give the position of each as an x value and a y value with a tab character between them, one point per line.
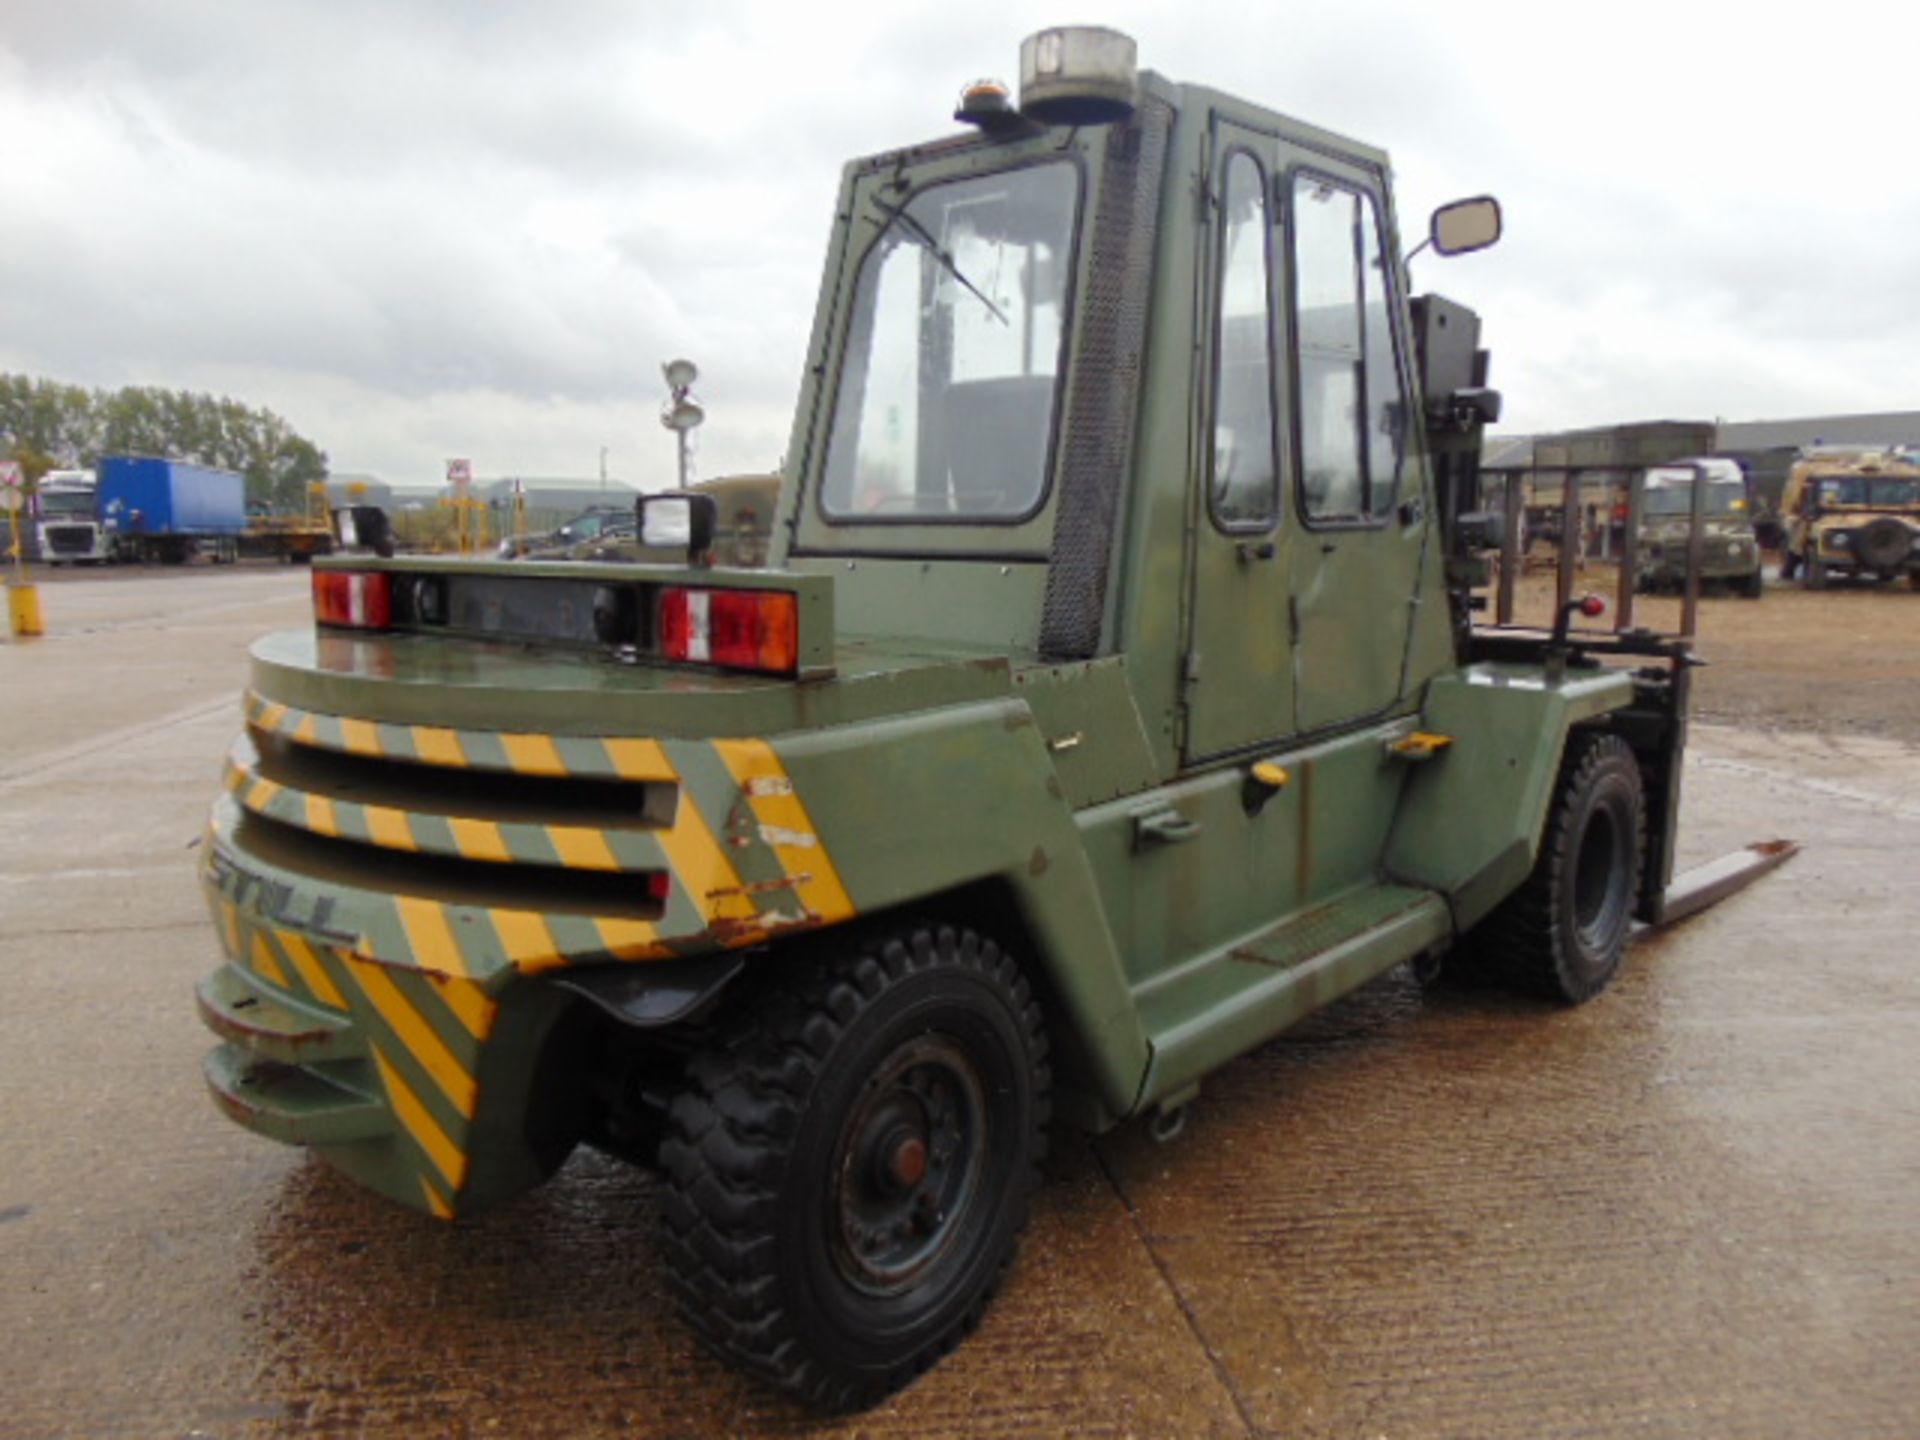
1691	1208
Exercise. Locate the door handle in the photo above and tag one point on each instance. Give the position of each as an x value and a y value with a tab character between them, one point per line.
1251	550
1163	827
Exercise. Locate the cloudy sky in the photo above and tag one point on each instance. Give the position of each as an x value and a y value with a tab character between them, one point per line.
424	230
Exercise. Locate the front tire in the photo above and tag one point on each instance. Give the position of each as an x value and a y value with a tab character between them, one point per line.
850	1164
1563	933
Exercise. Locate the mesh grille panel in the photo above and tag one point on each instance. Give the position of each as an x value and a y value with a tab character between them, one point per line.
1103	400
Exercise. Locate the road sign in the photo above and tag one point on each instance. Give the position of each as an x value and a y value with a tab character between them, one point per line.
10	498
11	475
459	472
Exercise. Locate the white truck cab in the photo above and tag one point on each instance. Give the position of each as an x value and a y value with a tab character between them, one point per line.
68	528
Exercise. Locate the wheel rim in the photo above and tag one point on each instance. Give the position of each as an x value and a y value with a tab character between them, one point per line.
1600	880
907	1166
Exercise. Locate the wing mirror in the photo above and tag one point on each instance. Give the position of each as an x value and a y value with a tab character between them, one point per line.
1465	226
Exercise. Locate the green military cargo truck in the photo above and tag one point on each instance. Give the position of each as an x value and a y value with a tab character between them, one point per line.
1729	550
1107	704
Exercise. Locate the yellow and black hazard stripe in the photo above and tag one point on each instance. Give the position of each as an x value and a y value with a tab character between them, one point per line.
422	1034
509	752
415	977
744	858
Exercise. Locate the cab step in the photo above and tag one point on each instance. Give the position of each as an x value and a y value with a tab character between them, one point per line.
1228	1001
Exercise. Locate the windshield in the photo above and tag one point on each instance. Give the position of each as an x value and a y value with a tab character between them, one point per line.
1723	497
1861	490
58	502
953	352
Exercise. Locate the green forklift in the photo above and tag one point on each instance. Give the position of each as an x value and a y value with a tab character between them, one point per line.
1112	697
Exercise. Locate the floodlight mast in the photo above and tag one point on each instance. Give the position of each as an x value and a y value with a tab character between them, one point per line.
681	413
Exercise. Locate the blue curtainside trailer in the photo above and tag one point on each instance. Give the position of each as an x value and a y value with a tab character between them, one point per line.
168	510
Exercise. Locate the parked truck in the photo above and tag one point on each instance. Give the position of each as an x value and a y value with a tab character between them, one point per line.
169	511
1729	549
295	536
1108	703
1852	515
69	529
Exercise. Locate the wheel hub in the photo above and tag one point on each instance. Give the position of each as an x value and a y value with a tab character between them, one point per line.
908	1163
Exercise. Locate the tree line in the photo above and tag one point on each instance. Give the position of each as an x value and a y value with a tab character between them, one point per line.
46	425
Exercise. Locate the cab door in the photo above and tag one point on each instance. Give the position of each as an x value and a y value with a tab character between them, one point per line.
1359	504
1239	665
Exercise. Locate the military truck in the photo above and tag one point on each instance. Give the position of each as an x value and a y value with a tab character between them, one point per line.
1729	551
1852	515
1109	703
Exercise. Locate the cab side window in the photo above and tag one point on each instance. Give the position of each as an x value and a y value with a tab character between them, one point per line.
1353	414
1243	488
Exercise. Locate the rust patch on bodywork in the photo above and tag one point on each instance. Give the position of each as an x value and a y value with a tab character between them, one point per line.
730	931
759	887
1303	846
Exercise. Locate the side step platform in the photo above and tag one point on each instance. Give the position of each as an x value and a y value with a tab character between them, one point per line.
1221	1004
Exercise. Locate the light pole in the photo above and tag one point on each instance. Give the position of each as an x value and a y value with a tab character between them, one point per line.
681	413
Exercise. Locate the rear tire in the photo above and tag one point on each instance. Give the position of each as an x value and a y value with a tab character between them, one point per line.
851	1163
1563	933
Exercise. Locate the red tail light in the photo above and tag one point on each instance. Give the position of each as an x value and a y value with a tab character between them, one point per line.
741	629
347	597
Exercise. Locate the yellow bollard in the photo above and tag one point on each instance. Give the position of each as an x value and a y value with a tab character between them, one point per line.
23	610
